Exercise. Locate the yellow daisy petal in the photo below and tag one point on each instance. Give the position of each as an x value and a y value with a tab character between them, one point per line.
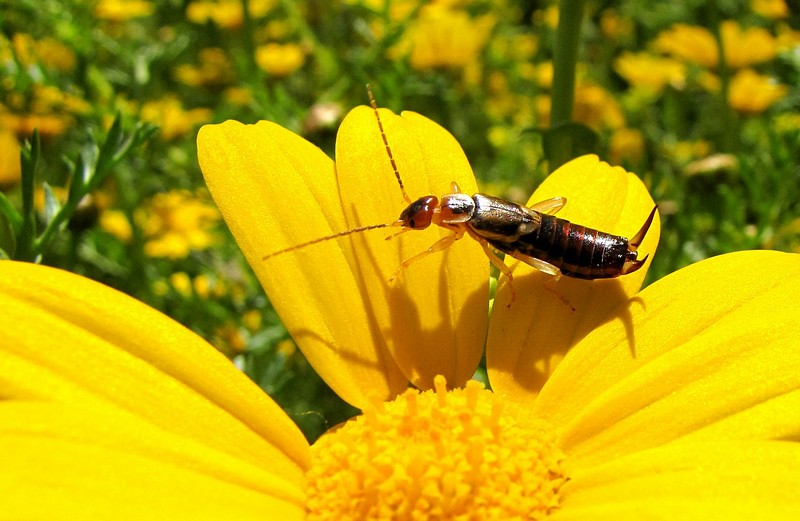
277	190
713	480
70	462
434	315
528	339
62	343
710	352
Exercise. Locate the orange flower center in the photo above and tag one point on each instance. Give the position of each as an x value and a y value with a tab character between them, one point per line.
436	455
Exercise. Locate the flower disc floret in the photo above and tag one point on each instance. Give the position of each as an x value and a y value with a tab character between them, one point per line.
437	454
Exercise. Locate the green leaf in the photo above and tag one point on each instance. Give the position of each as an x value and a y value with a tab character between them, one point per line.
29	158
8	238
51	204
10	214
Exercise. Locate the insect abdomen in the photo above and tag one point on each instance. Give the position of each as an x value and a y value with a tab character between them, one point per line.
576	250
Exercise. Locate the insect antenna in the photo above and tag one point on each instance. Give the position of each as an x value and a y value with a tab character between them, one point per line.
326	238
374	105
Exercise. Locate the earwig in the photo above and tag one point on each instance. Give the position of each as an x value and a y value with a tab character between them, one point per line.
532	234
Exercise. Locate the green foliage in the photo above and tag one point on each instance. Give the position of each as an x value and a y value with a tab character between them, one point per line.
129	209
92	166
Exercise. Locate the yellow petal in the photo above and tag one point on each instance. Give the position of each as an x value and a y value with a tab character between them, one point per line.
709	352
434	316
66	341
690	481
277	190
61	461
529	339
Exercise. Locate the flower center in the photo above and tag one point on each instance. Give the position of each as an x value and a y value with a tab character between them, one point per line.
436	455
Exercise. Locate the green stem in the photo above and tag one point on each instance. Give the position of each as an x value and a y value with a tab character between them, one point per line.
254	75
27	236
729	120
565	59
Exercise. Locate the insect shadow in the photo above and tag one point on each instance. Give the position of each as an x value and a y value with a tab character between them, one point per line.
405	322
543	329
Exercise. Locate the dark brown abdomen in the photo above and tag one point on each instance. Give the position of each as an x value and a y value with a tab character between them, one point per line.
576	250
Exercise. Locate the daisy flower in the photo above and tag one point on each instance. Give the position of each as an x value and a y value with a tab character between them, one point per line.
678	401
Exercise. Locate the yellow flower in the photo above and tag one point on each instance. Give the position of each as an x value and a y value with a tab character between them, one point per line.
10	167
680	402
176	223
596	107
117	224
771	9
214	69
122	10
181	283
697	45
615	26
399	335
47	51
226	13
747	47
627	144
251	320
229	339
788	39
433	321
280	59
753	93
676	400
684	152
128	408
48	109
444	38
48	98
547	16
174	121
650	72
238	95
48	125
690	43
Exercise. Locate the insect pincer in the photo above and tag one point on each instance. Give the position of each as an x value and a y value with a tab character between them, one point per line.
632	260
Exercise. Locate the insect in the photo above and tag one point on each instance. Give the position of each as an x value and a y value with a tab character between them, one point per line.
531	234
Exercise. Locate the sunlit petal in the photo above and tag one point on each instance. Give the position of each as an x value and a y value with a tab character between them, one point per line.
71	462
434	315
690	481
276	190
74	374
710	352
528	339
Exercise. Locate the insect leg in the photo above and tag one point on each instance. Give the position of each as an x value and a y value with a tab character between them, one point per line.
549	206
546	267
497	262
539	264
547	285
502	266
441	244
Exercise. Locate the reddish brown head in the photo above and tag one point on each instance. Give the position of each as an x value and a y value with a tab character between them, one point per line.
419	214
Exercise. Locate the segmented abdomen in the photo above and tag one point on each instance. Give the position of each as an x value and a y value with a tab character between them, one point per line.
576	250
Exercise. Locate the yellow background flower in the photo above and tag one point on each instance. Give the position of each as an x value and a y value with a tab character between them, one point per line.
753	93
280	59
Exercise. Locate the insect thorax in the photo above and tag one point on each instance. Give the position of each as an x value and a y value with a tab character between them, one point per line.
498	219
457	208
